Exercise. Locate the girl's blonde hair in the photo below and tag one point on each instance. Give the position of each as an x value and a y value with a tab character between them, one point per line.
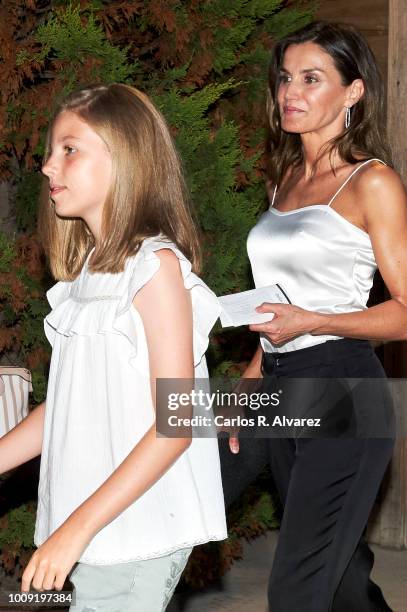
147	195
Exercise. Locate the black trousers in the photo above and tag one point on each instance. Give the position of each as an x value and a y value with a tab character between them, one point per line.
327	485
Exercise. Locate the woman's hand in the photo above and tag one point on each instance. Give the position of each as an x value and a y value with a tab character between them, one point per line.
288	322
249	382
232	429
53	560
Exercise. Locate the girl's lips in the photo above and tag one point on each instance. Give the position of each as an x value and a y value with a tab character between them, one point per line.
55	190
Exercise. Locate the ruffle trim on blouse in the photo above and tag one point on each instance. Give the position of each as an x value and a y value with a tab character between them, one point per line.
218	537
114	314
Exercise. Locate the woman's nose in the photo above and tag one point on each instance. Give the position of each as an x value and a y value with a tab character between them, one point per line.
292	90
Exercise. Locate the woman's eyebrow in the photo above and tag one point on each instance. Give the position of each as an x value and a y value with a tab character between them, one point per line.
304	70
312	70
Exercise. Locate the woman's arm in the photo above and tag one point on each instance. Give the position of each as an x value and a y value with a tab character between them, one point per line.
382	199
24	441
253	371
165	307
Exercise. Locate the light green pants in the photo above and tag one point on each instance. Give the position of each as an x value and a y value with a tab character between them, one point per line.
137	586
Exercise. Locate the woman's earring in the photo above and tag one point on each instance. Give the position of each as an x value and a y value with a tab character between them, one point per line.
347	117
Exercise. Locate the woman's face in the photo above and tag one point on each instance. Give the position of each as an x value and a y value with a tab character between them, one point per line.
79	170
311	96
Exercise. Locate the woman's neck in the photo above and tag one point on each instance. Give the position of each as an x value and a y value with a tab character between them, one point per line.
312	146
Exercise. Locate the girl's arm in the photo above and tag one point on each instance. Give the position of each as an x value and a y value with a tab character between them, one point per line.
382	198
165	307
24	441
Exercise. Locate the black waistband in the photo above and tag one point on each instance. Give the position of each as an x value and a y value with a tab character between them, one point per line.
313	355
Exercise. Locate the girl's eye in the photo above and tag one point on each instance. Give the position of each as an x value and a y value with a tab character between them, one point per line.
311	78
69	150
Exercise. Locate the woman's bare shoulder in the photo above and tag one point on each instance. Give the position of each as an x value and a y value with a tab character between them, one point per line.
376	186
376	175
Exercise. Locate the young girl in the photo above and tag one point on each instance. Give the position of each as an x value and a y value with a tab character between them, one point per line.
128	310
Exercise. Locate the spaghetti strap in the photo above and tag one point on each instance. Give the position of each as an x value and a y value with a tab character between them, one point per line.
350	176
274	195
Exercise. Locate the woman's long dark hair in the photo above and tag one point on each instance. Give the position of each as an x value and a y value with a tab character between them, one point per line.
353	58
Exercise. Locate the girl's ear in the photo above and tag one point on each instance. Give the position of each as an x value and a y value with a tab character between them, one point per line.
355	92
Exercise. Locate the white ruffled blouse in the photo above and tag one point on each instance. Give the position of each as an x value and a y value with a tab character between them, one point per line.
99	406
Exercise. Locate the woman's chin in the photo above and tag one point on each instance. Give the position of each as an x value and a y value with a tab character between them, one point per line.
293	130
293	126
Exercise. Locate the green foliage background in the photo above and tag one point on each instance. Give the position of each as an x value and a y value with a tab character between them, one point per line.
205	66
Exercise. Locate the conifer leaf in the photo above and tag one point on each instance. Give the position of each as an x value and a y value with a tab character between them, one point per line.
205	65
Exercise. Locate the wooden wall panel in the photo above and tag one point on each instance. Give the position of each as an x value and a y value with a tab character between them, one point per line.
370	17
384	24
391	529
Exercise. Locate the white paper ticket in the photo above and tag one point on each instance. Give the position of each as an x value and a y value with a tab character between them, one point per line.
239	308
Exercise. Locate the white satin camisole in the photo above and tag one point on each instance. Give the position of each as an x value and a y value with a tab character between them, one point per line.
321	260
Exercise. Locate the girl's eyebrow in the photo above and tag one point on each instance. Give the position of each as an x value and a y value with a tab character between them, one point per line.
69	137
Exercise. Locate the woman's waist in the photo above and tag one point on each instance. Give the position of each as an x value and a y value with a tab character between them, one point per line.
299	343
319	297
310	361
329	305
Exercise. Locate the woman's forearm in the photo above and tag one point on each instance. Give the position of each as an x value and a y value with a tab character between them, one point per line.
253	369
142	468
385	321
23	442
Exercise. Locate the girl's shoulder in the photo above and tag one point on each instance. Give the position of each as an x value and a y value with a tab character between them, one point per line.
147	261
148	255
205	305
155	243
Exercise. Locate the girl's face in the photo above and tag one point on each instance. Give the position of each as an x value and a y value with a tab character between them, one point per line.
311	96
79	170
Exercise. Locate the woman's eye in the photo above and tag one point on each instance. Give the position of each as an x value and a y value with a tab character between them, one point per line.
284	78
69	150
311	78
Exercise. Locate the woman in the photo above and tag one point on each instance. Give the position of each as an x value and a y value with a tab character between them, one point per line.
338	211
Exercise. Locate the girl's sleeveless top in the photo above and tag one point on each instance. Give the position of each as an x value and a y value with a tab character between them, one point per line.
323	262
99	406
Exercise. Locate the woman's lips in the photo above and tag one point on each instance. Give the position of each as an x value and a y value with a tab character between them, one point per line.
292	109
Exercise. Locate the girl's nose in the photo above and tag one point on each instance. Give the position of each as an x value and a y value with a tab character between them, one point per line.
48	168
